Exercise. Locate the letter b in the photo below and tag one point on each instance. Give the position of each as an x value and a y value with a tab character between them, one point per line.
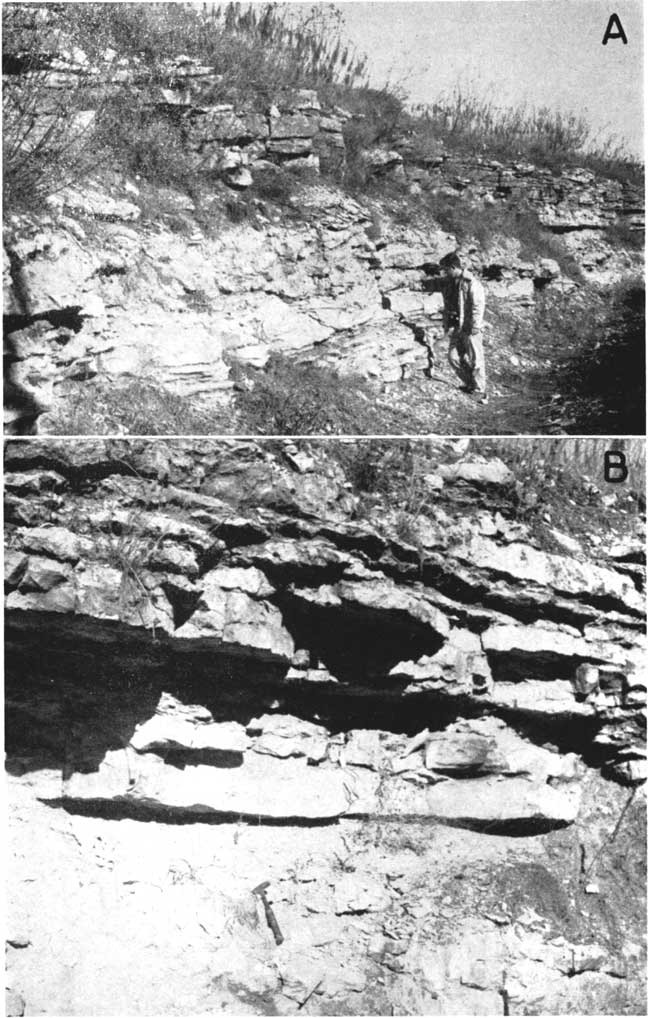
615	466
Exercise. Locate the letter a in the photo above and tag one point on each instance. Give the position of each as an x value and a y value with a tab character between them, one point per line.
614	21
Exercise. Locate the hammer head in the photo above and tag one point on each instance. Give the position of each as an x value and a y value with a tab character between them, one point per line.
261	887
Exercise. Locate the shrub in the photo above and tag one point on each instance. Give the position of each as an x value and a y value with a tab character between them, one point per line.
274	185
376	120
144	144
48	134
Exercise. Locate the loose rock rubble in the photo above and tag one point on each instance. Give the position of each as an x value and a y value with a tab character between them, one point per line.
217	676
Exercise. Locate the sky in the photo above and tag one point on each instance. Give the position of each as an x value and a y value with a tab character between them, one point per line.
542	52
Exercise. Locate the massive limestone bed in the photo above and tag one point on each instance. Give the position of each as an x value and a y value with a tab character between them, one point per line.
216	675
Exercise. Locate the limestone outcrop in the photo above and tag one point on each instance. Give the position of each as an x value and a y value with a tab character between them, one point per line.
217	674
297	588
94	288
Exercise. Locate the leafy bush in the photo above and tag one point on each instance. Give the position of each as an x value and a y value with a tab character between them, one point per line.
144	144
48	134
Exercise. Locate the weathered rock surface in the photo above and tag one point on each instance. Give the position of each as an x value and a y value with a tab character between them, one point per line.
92	289
433	756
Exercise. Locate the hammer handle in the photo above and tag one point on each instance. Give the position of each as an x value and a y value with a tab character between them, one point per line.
271	920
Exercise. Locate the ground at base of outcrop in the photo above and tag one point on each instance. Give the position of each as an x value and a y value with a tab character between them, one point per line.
526	396
131	917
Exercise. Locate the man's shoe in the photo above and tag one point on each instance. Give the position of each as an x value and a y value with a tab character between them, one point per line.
482	398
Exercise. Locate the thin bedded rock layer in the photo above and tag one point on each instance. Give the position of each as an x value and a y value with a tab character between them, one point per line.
245	568
218	676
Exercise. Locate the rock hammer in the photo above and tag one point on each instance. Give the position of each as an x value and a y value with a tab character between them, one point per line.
268	911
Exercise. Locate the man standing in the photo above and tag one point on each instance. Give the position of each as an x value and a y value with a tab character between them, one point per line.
462	320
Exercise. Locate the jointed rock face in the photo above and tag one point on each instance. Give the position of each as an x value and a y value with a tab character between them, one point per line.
91	288
426	747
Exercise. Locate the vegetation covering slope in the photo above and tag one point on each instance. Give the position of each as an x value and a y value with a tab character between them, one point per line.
256	52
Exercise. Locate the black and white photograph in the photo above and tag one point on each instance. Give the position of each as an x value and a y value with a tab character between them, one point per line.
346	218
324	517
331	727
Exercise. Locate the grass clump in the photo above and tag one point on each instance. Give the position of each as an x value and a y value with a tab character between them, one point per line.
290	398
486	223
128	547
621	236
390	468
389	475
559	484
135	407
469	124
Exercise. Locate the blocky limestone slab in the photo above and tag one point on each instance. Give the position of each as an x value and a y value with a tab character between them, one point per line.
282	735
502	801
99	591
478	472
236	621
293	126
537	639
487	745
56	272
179	726
15	563
460	666
554	697
562	574
249	581
384	596
58	542
61	600
42	574
261	787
